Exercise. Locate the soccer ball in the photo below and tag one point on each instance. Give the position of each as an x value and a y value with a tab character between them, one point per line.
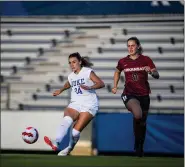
30	135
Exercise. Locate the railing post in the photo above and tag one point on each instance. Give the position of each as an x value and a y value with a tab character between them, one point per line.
8	96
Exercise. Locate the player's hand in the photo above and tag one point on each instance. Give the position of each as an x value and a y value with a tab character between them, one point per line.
147	69
56	92
114	90
85	87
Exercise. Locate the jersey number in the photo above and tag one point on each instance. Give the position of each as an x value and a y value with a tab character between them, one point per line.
135	77
78	90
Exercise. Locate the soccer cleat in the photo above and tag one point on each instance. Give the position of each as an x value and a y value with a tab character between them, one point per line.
53	144
139	152
138	147
65	151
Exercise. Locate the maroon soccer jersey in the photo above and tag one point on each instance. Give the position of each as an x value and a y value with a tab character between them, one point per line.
136	78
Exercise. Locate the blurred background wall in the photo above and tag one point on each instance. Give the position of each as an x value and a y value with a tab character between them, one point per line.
26	8
36	39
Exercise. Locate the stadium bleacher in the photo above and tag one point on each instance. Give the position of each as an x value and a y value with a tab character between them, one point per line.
34	60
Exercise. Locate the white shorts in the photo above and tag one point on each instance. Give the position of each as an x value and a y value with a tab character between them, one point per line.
93	109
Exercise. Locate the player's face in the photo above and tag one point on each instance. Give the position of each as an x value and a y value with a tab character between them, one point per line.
74	64
132	47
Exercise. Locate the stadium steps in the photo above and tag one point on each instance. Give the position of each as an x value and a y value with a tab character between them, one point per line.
173	40
23	86
175	49
166	95
18	55
33	37
167	106
160	47
97	19
24	29
120	55
6	46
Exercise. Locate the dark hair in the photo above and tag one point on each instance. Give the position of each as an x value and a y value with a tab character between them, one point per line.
140	49
85	60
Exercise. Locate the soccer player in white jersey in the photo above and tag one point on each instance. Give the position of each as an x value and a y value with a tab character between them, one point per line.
84	102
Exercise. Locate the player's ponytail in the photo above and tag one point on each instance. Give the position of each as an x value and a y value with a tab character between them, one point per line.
140	49
85	62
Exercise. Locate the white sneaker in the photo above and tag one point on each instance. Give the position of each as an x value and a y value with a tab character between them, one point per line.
65	151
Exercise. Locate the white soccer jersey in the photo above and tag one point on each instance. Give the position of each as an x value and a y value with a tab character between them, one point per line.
79	95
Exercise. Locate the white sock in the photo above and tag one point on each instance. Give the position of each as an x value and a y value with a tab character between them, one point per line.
63	128
74	138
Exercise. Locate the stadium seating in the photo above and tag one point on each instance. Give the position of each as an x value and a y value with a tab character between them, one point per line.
34	61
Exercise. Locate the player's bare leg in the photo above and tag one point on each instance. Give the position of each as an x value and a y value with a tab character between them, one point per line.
133	105
83	120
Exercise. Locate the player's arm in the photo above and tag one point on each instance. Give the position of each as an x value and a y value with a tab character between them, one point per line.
154	73
117	74
151	68
98	83
65	87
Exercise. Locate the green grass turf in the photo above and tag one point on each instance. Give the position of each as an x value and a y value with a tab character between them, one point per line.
38	160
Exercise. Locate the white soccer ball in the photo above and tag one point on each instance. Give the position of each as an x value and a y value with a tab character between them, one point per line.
30	135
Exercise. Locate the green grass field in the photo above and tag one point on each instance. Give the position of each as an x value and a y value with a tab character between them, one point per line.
38	160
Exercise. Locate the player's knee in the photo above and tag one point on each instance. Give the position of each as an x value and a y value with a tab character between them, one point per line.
137	115
75	133
71	113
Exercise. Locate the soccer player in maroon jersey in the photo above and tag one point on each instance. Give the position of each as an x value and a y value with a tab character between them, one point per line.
135	95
